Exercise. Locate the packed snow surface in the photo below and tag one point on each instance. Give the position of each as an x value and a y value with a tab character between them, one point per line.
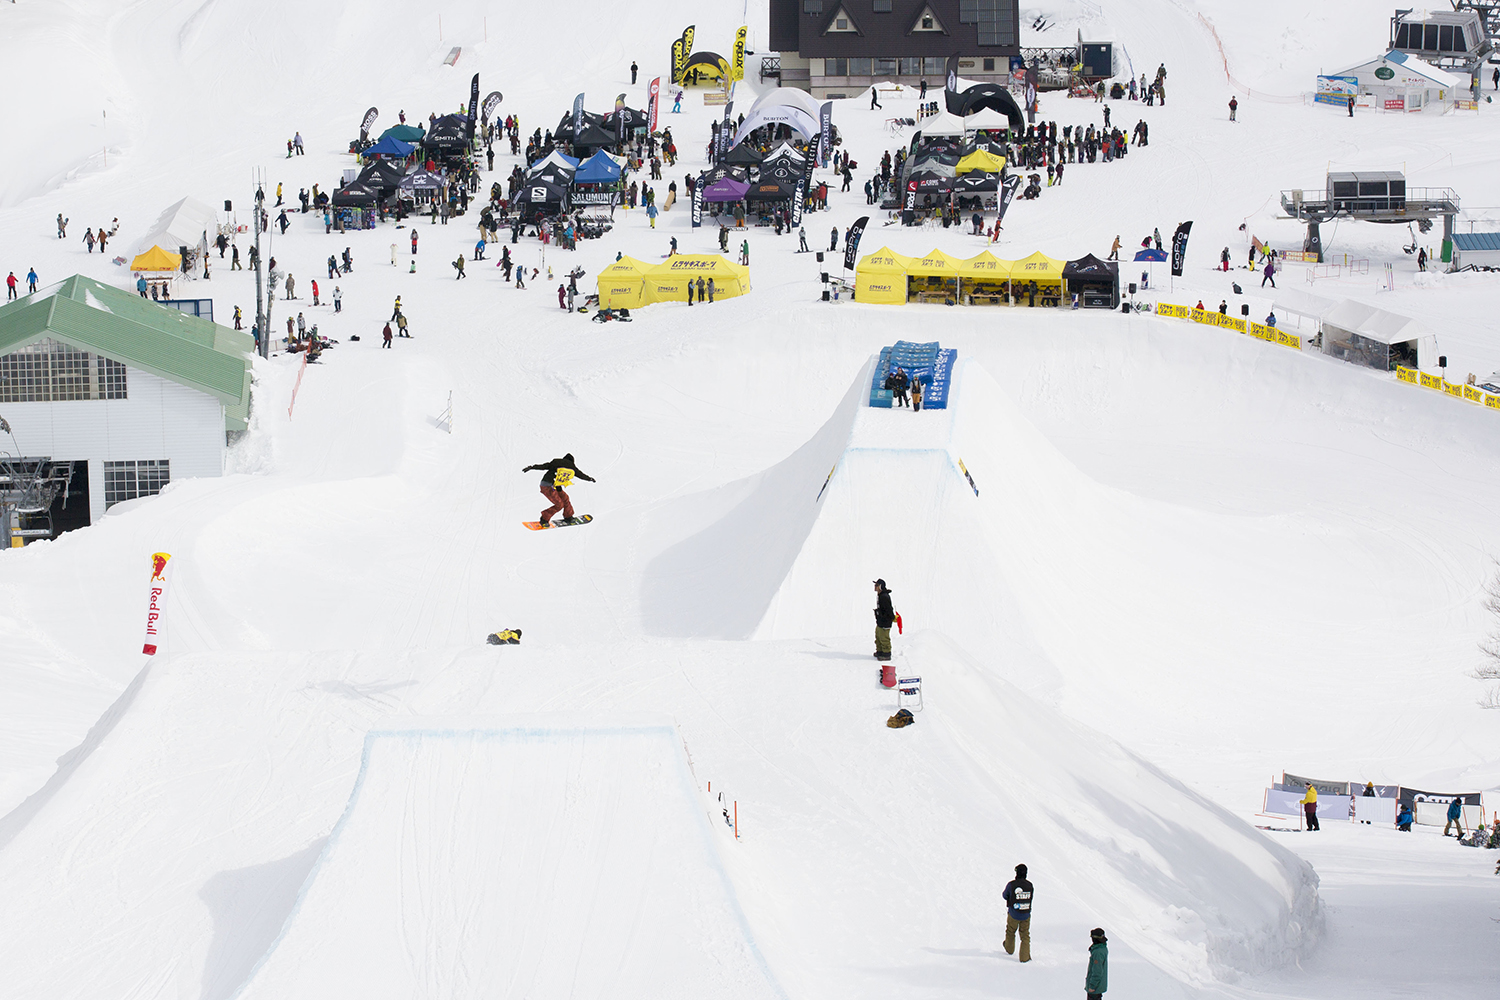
1193	560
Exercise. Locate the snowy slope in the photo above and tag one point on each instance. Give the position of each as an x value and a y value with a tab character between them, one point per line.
1192	555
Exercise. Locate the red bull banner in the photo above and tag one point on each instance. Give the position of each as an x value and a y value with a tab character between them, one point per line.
156	606
651	111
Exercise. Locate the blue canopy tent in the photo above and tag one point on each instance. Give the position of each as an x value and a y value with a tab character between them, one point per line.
600	168
1151	256
389	146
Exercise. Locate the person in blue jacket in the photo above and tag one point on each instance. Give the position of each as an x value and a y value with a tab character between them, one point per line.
1455	817
1404	819
140	285
31	282
1017	896
1096	980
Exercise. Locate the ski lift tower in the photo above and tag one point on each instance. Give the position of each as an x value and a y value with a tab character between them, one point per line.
1371	196
27	487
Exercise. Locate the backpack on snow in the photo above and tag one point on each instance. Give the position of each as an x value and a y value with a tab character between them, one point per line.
901	719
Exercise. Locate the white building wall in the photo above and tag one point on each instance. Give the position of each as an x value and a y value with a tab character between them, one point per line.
158	419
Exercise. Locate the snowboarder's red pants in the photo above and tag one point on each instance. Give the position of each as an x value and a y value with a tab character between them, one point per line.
560	501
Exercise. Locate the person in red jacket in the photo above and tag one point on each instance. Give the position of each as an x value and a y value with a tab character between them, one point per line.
10	286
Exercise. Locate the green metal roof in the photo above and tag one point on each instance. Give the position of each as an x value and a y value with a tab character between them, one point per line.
122	326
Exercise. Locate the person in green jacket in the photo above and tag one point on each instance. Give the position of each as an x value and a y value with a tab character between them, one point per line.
1097	979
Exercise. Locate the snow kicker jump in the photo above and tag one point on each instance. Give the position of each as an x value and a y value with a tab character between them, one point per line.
476	860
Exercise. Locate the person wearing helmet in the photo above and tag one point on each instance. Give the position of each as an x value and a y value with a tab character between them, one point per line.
1017	896
885	615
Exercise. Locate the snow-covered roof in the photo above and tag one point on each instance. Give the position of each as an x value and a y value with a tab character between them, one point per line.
1411	64
1375	324
1300	303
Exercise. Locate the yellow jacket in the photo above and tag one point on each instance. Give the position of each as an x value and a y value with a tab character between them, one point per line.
1311	796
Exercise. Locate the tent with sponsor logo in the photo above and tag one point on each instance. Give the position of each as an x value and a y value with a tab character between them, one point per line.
622	285
1096	282
933	275
984	279
667	282
880	277
1046	271
982	160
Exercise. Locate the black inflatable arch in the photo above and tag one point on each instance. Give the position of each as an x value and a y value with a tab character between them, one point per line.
987	95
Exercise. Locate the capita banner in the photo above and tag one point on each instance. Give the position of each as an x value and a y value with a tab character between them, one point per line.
156	604
368	123
651	106
698	204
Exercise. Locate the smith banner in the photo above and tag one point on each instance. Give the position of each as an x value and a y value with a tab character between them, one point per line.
368	123
851	243
473	105
491	102
651	105
1179	247
737	71
156	606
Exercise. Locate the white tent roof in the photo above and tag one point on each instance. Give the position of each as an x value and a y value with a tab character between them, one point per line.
1374	324
943	123
799	121
552	159
188	223
785	150
986	118
1300	303
788	97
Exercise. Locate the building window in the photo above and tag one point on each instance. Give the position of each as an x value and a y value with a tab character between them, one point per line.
995	20
835	67
911	66
934	65
926	22
860	66
885	67
128	480
882	6
841	24
989	65
52	372
812	6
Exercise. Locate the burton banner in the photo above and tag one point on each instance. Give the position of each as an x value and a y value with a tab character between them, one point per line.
368	123
156	605
825	133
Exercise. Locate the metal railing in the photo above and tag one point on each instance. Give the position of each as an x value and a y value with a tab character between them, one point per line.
1298	202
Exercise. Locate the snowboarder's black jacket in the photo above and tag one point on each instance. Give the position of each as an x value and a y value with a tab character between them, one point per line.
885	615
549	470
1017	896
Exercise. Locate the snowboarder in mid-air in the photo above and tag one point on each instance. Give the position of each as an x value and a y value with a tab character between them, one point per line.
557	476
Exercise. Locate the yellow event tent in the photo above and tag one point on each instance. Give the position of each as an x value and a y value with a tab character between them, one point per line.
629	283
887	277
983	160
880	277
156	259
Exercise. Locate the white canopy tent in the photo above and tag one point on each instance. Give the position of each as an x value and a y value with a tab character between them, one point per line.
788	97
986	119
1365	335
1305	305
187	223
944	123
799	121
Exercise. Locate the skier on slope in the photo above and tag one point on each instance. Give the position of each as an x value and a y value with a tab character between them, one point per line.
557	475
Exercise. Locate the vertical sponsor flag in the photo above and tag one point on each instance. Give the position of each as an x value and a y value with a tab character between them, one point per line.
726	131
799	201
677	58
1007	192
698	203
651	105
738	70
680	53
368	123
825	133
621	118
950	83
1179	247
473	105
577	115
491	102
851	243
156	606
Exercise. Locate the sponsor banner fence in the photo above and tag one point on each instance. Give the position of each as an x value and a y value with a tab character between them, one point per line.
1468	393
157	603
1212	317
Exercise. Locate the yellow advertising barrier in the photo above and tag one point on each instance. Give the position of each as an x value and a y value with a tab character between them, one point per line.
1212	317
1168	309
1273	335
1469	393
1407	374
1430	381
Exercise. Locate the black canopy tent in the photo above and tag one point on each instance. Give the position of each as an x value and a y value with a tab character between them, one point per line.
448	136
633	120
542	195
1096	282
383	175
356	194
564	128
987	95
592	139
776	183
743	155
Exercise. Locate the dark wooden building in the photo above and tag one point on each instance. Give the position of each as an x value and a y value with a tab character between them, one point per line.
836	48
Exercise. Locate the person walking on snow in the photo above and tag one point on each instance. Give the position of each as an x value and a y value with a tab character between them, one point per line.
1096	980
10	286
1270	274
414	241
297	143
557	476
1017	895
1455	817
885	616
1234	105
386	333
31	282
1309	804
874	99
88	237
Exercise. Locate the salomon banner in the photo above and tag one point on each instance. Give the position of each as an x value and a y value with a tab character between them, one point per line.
491	102
737	69
697	205
851	242
156	606
368	123
1179	247
825	133
578	114
473	105
651	106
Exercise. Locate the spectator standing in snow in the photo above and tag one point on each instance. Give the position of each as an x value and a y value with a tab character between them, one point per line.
62	226
1224	259
1455	817
1018	895
31	282
1234	106
916	395
290	283
710	289
1310	807
386	333
885	617
1349	103
297	143
338	300
315	292
1270	274
634	69
88	237
1096	980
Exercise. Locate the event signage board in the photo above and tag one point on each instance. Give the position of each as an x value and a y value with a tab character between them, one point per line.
697	206
491	102
473	105
651	106
368	123
851	242
1384	73
737	70
1179	247
156	605
578	114
825	133
1413	796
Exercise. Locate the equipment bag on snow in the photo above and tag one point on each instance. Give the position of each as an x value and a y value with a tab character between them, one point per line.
900	719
